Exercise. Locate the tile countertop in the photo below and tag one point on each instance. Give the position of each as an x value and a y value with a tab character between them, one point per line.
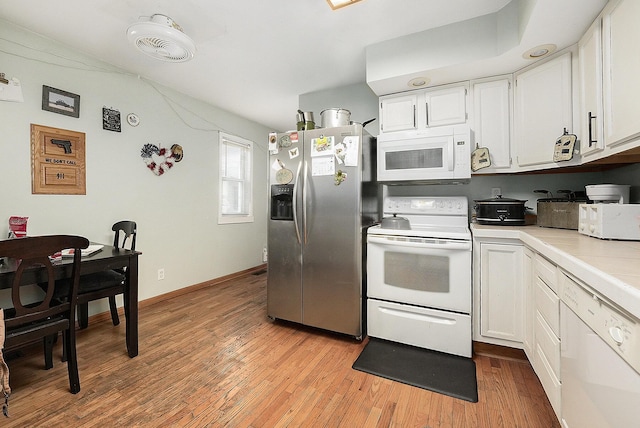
611	268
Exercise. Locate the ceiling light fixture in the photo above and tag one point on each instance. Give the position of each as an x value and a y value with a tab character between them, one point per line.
539	51
337	4
160	37
418	82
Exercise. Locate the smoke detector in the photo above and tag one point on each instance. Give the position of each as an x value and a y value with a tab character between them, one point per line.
160	37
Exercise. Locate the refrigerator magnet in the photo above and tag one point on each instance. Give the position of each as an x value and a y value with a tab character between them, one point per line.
322	146
352	148
273	142
341	152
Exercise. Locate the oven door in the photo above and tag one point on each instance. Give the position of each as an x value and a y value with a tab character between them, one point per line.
433	273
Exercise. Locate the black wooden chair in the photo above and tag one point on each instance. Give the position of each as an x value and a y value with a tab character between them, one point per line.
110	283
43	320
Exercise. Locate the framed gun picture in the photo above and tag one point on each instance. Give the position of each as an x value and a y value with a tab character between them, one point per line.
57	161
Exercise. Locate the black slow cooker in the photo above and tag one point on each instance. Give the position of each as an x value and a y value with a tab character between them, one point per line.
500	211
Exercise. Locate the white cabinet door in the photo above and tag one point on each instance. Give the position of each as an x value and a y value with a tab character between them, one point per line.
446	106
621	44
543	109
491	120
501	291
398	113
591	104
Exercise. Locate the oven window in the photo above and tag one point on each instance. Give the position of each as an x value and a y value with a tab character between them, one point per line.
414	159
421	272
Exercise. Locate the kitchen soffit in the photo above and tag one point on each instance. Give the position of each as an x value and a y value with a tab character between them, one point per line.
483	46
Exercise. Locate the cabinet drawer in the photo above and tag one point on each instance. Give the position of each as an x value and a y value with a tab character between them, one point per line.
547	271
550	382
547	304
548	343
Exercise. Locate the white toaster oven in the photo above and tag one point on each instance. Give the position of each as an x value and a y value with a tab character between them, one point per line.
610	221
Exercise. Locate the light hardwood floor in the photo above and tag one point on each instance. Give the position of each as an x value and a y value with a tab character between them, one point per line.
212	358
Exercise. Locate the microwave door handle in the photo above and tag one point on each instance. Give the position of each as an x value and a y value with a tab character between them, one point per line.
450	150
295	203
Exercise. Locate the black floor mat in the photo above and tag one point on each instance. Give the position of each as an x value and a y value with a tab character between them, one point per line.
436	371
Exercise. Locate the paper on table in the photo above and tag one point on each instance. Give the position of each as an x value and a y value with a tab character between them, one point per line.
91	249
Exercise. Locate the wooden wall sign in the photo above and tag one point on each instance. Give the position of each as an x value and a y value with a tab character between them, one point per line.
57	161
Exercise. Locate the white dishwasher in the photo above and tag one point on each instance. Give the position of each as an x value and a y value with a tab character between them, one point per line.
600	360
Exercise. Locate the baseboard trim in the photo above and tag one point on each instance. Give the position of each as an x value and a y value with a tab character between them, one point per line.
498	351
102	316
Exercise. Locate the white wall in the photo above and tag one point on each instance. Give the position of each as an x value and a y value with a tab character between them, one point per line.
176	213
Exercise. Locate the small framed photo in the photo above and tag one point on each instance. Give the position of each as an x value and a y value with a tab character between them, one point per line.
111	119
59	101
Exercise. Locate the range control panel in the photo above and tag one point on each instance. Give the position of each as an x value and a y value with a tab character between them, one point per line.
426	205
620	330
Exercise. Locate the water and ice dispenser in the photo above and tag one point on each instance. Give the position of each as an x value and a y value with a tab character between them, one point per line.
282	202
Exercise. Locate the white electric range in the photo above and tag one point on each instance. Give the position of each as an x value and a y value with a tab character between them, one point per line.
419	280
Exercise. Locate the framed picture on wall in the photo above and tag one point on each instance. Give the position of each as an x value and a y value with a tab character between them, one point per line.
59	101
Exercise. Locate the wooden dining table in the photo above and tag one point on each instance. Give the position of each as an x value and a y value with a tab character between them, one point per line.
107	258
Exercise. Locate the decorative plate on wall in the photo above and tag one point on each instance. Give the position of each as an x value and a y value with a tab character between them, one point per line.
133	119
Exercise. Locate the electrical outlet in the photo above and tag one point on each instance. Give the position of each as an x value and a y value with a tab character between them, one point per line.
495	191
265	255
160	274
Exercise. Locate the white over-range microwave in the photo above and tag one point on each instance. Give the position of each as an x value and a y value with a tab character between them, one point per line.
419	156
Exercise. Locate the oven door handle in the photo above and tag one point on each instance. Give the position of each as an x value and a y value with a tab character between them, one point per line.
440	244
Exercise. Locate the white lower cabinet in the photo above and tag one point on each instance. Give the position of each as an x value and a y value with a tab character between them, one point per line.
498	286
516	304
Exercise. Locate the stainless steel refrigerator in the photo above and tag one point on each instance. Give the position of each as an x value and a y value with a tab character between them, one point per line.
323	197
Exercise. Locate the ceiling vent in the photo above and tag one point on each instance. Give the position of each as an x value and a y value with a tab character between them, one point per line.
162	38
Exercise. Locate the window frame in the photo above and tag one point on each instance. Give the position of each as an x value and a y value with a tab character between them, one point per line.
225	140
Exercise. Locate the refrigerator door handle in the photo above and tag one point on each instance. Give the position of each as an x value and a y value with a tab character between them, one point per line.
304	201
295	203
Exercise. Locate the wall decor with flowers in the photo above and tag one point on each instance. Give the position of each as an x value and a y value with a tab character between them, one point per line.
160	159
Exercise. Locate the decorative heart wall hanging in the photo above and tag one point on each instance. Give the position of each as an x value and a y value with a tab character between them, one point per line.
159	159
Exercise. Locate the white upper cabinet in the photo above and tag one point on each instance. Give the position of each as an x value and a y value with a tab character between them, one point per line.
543	110
591	107
446	106
398	113
621	48
421	110
491	120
